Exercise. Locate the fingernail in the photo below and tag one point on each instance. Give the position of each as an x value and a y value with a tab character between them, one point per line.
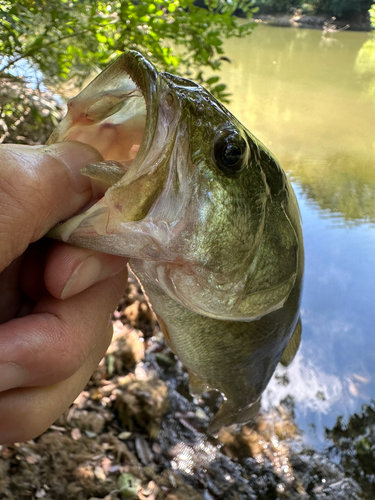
85	275
75	155
11	376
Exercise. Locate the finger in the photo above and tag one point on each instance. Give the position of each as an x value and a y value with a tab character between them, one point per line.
51	344
39	187
70	270
26	413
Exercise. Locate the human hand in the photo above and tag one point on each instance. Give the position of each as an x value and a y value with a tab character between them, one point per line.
55	300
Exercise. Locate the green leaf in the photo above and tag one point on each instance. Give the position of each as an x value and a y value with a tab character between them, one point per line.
129	485
101	38
219	88
212	80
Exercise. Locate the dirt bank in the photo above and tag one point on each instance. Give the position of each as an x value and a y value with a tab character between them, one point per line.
136	433
322	22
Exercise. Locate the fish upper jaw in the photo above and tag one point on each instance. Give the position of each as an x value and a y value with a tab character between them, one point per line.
120	100
131	116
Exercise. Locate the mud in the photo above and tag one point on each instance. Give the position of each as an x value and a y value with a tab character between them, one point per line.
135	432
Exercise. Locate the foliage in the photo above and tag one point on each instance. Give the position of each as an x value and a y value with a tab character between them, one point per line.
372	15
272	6
26	114
343	8
354	445
64	39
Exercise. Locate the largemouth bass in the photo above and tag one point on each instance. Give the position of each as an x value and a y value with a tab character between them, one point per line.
207	217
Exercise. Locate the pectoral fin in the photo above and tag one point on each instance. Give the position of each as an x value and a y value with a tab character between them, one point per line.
293	345
228	415
197	386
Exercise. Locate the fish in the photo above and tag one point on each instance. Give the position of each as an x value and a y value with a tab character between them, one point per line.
207	217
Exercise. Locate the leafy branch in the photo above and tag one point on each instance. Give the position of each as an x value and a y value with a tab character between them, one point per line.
63	40
35	47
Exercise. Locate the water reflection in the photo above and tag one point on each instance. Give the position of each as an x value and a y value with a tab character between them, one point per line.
343	183
310	100
310	387
354	445
365	64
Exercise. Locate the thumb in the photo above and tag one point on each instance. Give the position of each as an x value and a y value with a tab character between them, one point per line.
39	187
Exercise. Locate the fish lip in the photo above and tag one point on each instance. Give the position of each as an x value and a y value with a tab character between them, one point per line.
145	76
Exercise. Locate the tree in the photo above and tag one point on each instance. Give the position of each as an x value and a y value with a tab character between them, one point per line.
372	15
63	39
344	8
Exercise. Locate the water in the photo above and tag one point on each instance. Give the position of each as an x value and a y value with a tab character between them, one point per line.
311	100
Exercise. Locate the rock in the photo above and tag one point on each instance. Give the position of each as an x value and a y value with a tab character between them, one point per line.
142	403
127	347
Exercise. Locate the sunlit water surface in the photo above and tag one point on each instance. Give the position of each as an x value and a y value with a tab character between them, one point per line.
311	100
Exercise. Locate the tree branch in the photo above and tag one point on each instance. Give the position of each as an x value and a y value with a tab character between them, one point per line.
31	50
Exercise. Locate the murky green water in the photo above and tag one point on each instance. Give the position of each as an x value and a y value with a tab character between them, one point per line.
311	100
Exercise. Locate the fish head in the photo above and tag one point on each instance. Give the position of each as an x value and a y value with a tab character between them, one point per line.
186	190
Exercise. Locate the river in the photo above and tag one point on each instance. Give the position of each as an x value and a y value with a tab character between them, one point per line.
311	100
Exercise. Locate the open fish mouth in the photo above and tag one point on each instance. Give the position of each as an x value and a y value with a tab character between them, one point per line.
126	115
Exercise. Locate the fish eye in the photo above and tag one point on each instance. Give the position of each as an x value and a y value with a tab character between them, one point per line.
230	151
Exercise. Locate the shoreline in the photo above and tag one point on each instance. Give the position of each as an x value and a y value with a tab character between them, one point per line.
322	22
297	19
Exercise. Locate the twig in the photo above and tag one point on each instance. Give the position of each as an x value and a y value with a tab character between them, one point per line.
31	50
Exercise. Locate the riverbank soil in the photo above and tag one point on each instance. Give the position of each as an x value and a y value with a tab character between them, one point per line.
360	22
135	432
